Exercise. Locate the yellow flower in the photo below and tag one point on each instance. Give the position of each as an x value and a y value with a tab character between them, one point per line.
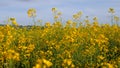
1	36
14	22
69	22
79	13
12	19
116	18
13	55
37	66
31	12
95	18
75	16
101	57
56	17
39	61
47	24
67	61
110	65
54	9
48	63
111	10
16	57
59	13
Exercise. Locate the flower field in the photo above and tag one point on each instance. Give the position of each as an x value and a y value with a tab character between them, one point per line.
89	45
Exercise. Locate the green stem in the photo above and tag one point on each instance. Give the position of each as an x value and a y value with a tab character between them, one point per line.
34	21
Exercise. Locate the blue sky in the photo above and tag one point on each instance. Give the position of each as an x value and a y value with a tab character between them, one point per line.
91	8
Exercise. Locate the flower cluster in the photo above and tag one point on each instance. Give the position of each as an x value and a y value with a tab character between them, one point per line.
89	45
